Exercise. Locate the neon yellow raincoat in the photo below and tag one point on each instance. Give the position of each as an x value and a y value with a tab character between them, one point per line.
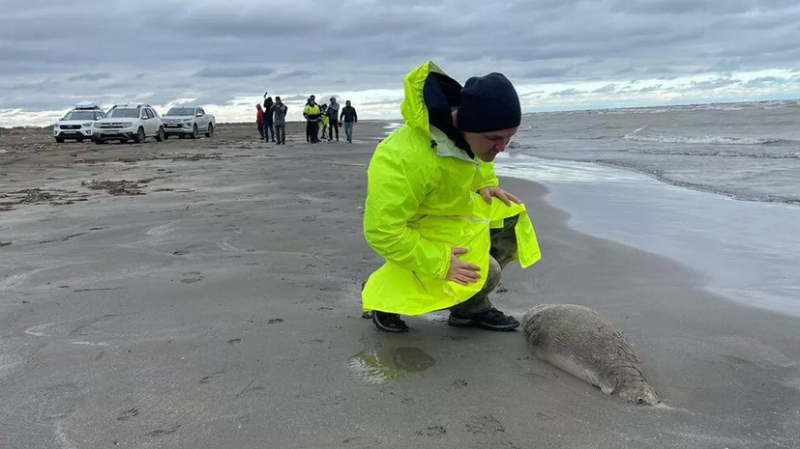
422	201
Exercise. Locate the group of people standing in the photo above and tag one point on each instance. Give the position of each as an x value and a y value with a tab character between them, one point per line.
271	120
329	116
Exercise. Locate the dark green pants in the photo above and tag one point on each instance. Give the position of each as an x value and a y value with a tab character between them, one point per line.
504	245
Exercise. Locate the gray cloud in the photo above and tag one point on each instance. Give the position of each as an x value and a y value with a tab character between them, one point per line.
567	92
607	89
649	89
233	72
297	74
765	81
714	84
546	73
220	52
89	77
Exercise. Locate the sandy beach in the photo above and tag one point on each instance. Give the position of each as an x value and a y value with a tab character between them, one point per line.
212	301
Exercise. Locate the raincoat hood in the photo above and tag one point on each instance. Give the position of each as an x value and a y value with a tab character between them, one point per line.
430	98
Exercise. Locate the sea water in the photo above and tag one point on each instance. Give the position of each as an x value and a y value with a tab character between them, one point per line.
716	187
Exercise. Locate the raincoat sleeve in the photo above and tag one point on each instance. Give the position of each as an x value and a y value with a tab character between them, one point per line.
485	177
396	185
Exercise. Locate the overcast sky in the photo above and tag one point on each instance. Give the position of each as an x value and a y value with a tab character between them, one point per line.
561	54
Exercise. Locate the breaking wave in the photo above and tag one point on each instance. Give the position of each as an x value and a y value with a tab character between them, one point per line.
715	153
704	140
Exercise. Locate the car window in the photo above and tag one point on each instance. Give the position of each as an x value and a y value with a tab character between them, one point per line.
201	111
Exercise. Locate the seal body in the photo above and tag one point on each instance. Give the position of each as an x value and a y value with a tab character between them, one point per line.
583	343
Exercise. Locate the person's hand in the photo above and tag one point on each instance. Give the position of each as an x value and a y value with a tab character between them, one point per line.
488	192
462	272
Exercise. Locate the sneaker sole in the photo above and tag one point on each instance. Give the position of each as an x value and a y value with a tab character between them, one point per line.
469	323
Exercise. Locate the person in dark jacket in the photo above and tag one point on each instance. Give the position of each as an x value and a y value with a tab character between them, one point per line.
349	118
260	120
269	123
280	120
333	119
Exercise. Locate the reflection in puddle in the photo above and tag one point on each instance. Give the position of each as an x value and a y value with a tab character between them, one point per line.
376	366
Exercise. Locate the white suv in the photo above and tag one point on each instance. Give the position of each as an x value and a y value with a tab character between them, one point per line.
77	124
129	122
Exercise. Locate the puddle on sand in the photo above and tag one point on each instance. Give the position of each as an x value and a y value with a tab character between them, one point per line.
377	366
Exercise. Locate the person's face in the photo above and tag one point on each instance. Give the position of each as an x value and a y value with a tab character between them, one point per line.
347	103
487	146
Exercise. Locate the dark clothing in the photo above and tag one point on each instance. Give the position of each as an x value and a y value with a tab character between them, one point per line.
504	245
442	96
334	126
312	129
333	118
260	129
269	130
349	115
280	132
268	110
488	103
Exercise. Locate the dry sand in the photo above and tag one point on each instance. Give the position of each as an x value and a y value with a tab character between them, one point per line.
212	301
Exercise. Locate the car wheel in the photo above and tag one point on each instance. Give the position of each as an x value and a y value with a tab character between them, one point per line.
98	141
181	136
59	140
80	140
194	135
166	136
210	131
140	136
160	134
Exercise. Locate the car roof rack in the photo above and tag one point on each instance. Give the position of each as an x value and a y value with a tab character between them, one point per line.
131	106
86	105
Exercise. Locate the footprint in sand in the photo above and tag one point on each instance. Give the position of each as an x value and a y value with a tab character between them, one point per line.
433	431
192	277
128	414
169	430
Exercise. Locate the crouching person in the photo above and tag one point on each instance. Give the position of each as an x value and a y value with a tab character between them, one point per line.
434	209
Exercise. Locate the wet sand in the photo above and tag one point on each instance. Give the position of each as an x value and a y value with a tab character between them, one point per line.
219	307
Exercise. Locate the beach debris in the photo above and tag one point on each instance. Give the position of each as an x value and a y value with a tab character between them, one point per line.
275	320
197	157
38	196
118	188
2	244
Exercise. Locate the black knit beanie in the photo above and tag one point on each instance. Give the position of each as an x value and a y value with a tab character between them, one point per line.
488	103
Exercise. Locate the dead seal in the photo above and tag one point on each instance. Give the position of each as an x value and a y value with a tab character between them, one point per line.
583	343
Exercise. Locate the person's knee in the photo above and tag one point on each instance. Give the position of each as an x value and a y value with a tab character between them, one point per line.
493	277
